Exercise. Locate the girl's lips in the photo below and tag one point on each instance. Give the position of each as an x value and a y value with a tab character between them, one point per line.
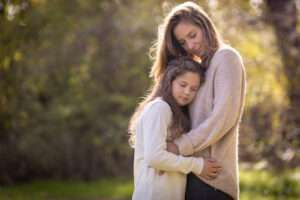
184	98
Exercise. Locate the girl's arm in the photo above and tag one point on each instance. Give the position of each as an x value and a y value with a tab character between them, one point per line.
155	125
229	83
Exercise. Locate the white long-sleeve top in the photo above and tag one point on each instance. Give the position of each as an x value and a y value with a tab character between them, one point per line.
150	157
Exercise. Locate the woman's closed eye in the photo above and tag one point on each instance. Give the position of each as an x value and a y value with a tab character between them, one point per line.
182	43
194	35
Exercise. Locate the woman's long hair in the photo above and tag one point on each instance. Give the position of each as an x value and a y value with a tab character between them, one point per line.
167	47
180	120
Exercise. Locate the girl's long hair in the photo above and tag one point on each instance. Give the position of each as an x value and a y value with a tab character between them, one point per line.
180	120
167	47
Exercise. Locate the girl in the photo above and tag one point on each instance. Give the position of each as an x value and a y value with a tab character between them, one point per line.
163	116
218	106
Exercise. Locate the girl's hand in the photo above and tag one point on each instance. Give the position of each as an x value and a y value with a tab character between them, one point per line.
211	169
161	172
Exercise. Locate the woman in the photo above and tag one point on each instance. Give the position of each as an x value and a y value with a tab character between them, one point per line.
217	108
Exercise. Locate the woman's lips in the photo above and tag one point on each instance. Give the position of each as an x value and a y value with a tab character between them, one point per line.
197	52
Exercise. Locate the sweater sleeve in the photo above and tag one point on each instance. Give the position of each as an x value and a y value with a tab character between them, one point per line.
155	125
227	90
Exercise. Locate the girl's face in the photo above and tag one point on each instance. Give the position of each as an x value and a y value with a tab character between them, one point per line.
185	87
190	37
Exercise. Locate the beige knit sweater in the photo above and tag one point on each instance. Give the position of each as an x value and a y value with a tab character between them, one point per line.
215	115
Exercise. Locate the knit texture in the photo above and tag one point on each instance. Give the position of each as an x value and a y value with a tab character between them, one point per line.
215	116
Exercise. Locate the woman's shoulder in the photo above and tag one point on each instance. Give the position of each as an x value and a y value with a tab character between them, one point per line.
226	51
226	55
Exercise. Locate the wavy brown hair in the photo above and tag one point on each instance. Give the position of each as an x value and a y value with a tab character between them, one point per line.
167	47
180	120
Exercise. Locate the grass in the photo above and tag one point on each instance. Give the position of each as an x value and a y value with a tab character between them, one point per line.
268	185
114	188
254	184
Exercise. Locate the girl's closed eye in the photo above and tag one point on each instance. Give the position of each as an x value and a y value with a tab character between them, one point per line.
195	89
182	84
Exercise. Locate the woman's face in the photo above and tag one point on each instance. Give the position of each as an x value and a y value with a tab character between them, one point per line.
190	37
185	87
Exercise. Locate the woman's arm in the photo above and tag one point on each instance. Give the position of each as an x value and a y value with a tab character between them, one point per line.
229	79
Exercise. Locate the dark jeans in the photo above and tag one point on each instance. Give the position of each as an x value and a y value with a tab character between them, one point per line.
196	189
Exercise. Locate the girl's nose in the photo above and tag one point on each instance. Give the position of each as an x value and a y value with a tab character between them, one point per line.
186	91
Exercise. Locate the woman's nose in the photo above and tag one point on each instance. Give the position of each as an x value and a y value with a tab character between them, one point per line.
190	46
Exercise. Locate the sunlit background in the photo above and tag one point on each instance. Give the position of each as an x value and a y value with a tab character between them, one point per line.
73	71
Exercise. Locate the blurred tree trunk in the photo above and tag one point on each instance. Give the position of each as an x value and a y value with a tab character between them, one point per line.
283	16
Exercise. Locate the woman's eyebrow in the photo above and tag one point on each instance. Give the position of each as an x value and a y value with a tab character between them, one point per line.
190	32
181	40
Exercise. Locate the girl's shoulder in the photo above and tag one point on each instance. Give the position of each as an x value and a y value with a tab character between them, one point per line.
157	106
159	103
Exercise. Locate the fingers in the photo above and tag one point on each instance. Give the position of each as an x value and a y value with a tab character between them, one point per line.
211	176
215	171
212	161
216	165
211	169
173	148
160	173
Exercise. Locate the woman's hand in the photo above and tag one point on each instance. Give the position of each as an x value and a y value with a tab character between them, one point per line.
173	148
211	169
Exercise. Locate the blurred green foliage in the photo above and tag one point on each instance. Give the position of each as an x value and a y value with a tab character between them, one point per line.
69	82
72	72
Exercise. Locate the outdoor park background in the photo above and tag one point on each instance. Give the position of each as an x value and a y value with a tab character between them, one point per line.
73	71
